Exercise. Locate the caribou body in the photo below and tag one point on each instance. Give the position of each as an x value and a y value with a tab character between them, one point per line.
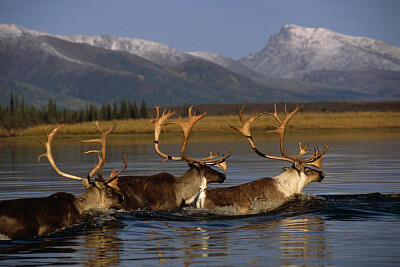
267	193
264	194
164	191
33	217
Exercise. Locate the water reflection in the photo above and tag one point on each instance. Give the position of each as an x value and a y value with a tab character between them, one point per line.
304	239
200	244
102	246
359	163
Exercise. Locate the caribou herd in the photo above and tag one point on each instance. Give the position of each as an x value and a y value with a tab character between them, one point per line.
33	217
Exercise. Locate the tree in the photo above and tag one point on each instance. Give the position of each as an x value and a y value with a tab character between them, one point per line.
124	111
134	110
115	110
143	110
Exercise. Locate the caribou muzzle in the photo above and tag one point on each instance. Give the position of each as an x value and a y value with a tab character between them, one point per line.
321	176
222	178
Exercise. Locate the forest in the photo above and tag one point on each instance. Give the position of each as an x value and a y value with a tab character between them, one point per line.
19	115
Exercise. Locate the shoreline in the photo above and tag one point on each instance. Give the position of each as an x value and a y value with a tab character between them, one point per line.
303	121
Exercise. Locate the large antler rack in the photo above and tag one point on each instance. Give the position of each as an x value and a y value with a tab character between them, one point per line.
280	130
101	155
186	127
158	123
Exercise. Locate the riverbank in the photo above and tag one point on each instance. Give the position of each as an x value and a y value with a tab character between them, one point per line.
303	121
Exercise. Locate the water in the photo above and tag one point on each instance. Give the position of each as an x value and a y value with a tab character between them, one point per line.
351	218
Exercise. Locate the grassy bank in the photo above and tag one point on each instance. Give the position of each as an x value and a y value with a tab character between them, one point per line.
302	121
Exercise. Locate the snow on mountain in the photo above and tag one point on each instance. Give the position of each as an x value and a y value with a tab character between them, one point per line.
291	53
12	30
226	62
296	50
152	51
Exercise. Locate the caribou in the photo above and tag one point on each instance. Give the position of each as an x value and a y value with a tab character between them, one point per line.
163	191
34	217
268	193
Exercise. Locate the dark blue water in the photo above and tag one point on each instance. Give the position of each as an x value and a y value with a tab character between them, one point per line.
351	218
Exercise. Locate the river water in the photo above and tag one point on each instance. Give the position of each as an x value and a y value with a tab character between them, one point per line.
351	218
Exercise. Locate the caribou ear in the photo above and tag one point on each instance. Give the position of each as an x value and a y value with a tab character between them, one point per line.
194	164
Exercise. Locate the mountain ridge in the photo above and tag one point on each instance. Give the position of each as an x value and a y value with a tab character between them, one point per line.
98	69
296	50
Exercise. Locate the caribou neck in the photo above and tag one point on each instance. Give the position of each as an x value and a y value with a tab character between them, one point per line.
188	185
291	181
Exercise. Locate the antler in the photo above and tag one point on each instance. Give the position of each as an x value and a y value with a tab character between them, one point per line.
101	155
158	122
186	128
246	129
49	154
280	130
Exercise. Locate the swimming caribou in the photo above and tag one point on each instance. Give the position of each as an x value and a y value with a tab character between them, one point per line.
268	193
164	191
33	217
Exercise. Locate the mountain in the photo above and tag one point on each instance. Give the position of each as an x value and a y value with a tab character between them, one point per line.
295	51
55	67
155	52
92	74
297	64
226	62
318	55
228	85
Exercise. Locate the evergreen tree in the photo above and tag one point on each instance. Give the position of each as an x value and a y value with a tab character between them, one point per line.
124	111
143	110
134	110
11	103
115	110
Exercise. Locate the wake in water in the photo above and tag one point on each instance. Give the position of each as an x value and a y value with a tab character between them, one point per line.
332	207
340	207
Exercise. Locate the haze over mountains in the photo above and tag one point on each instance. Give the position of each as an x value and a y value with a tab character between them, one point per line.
297	64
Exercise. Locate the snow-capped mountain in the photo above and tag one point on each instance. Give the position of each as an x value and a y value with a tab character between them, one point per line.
322	64
155	52
295	51
12	30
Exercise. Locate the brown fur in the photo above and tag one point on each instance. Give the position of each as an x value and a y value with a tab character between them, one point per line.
242	196
264	194
148	192
164	191
32	217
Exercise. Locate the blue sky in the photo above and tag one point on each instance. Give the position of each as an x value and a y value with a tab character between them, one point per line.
231	28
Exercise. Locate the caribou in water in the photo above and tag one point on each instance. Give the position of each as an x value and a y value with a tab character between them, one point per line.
164	191
33	217
267	193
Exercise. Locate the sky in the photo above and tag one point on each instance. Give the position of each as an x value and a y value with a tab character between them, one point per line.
233	28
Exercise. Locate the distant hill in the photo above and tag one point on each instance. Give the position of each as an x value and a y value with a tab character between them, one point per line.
318	55
297	65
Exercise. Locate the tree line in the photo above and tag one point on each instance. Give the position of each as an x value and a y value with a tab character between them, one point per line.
18	114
